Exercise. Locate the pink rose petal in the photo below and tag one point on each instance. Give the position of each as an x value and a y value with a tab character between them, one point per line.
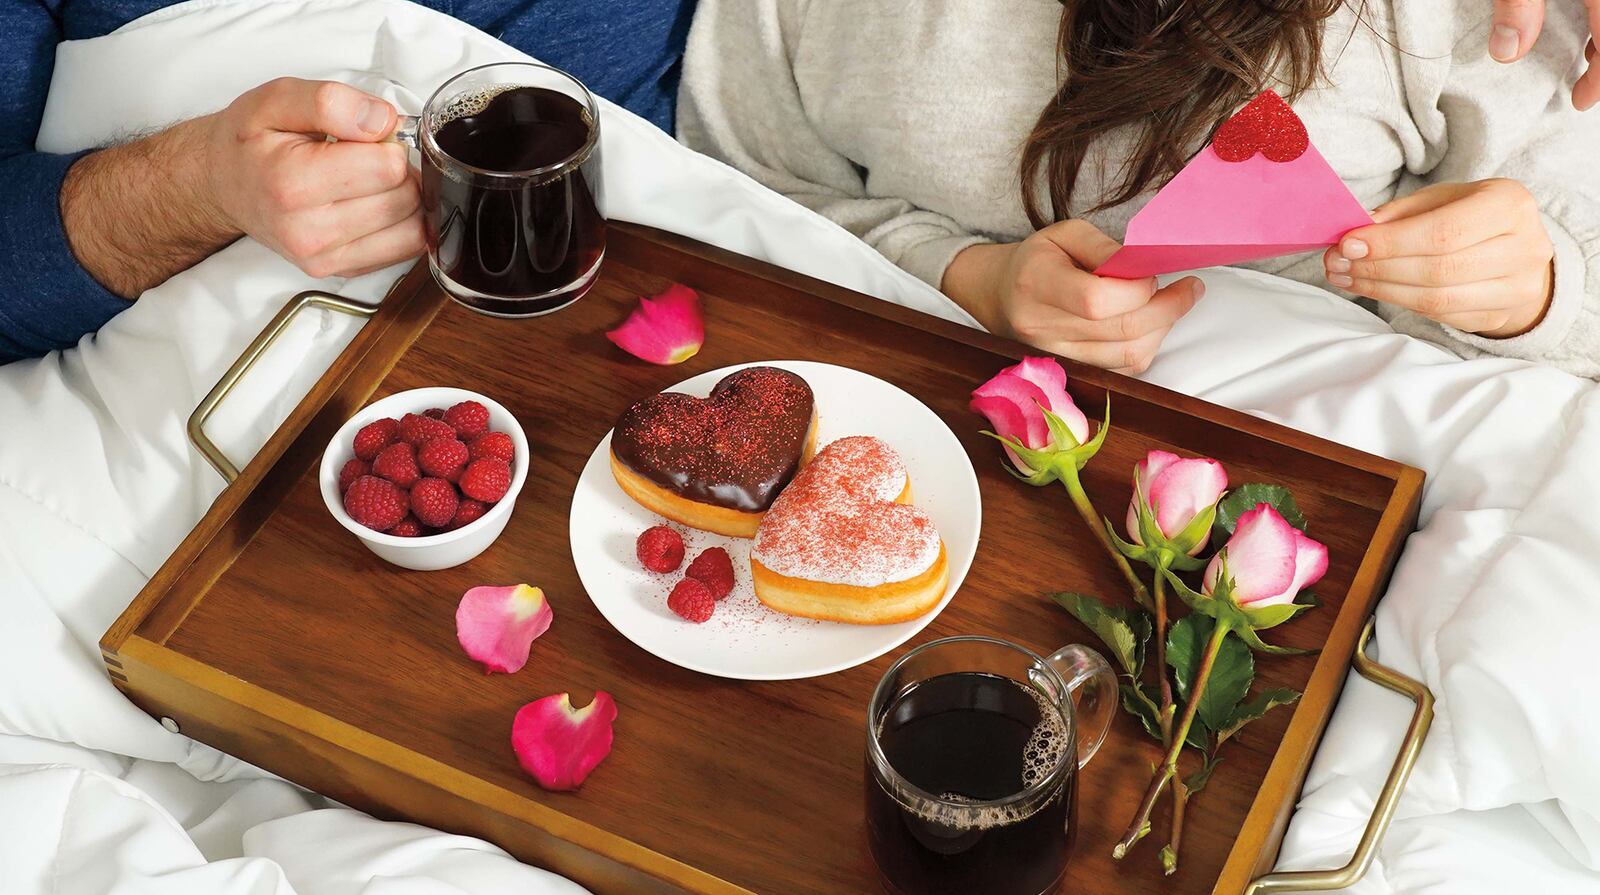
497	625
1181	489
1047	374
1027	424
558	744
664	329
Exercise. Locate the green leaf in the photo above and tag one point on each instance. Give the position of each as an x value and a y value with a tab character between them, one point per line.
1060	434
1142	705
1231	672
1198	780
1124	631
1255	708
1243	499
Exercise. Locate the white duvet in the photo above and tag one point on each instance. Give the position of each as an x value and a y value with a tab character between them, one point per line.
1495	603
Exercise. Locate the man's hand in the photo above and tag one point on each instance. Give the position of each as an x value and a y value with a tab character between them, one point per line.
1474	256
1040	291
137	213
1516	27
333	208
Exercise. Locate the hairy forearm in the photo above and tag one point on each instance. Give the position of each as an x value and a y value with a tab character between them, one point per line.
137	213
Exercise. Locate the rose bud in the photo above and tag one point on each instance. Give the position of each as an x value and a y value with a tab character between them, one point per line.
1268	561
1028	406
1177	499
664	329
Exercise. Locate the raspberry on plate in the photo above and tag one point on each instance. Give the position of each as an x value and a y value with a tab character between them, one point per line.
487	480
714	569
377	503
354	468
469	418
433	502
417	429
468	511
374	437
692	601
409	527
434	413
492	444
442	458
659	548
398	464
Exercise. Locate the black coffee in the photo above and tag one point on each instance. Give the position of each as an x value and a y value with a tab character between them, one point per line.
972	737
504	240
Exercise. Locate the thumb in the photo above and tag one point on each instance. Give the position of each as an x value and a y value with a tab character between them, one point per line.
323	107
1516	26
1083	242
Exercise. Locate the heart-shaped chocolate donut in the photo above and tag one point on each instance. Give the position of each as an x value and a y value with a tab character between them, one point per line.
735	449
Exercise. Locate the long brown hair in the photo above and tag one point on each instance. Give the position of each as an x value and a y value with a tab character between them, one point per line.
1175	69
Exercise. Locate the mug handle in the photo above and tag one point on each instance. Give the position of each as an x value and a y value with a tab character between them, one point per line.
1092	687
405	131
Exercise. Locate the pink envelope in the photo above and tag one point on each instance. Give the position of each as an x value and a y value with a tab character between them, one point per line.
1220	212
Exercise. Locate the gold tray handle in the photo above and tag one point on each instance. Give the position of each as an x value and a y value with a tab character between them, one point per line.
263	341
1388	798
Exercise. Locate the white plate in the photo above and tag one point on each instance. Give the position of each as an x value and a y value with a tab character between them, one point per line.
745	639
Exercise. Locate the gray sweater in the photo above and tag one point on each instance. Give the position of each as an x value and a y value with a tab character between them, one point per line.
902	120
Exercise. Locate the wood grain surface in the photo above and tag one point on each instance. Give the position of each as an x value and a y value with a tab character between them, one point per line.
273	634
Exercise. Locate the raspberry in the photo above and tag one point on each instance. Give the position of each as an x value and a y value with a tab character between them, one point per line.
376	503
494	444
660	549
409	527
434	413
374	437
469	418
692	601
442	458
353	469
398	464
467	512
418	429
714	569
433	501
487	480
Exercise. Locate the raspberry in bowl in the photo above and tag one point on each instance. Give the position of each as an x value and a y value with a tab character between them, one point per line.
426	490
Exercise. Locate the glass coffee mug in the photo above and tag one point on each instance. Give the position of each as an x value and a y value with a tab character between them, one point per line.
973	751
511	187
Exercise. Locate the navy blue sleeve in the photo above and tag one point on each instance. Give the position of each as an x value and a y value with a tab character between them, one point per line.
47	299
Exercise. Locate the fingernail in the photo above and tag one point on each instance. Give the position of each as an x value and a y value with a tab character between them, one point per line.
1199	288
1339	264
1353	248
1503	43
1339	279
374	117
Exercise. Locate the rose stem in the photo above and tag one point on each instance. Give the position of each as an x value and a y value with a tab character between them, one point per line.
1180	801
1140	825
1085	509
1161	650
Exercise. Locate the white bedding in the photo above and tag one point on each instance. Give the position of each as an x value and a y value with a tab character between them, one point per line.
1493	603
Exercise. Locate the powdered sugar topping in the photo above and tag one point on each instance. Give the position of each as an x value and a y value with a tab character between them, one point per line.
837	521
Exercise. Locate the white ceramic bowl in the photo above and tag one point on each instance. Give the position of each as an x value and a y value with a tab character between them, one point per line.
440	551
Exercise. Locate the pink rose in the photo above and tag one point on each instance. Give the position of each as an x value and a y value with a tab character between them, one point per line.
1178	489
1015	400
1268	559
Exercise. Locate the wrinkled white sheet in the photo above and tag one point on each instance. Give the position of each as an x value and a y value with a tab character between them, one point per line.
1492	604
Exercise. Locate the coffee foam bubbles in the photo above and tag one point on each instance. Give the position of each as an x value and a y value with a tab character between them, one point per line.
1044	751
465	104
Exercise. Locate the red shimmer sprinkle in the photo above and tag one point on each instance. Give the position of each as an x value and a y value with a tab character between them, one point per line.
1266	125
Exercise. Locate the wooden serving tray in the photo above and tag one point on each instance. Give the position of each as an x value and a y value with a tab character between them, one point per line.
272	634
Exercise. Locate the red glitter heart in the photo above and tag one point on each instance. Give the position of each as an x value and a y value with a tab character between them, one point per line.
1266	125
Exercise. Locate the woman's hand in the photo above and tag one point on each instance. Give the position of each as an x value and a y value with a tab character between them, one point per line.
1474	256
1040	291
